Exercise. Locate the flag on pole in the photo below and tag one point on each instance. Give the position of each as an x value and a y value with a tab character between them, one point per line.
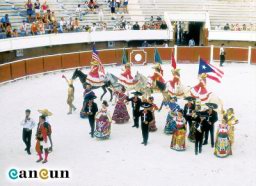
124	58
212	72
95	57
157	57
173	61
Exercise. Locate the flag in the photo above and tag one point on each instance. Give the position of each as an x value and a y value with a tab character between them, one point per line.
157	57
173	61
95	57
124	58
212	72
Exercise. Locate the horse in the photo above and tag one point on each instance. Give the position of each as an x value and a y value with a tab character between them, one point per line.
83	77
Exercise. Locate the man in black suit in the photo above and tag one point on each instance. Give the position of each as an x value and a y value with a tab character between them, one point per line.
188	108
200	125
212	117
136	103
90	110
146	117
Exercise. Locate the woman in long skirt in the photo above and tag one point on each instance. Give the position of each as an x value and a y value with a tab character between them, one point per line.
223	144
103	122
231	120
179	135
152	124
121	114
170	125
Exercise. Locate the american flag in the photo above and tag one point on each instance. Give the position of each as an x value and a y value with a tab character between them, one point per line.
95	57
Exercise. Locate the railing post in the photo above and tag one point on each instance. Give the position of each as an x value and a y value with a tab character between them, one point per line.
249	54
175	52
211	54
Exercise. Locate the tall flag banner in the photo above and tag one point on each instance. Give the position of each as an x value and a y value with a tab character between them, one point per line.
173	61
124	57
212	72
95	57
157	57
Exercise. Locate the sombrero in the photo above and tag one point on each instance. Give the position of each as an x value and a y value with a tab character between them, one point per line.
190	98
146	105
92	97
203	75
94	63
177	70
45	112
137	93
157	66
211	105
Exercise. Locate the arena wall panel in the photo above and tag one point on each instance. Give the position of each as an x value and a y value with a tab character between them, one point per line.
5	72
232	54
85	58
70	60
165	53
150	54
192	54
119	55
107	56
34	66
253	56
52	63
18	69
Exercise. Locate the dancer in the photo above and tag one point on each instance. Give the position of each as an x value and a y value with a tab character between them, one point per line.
28	124
223	143
42	136
212	117
103	122
88	92
188	108
136	104
175	83
231	120
178	142
200	91
126	77
95	76
71	91
121	114
153	108
157	76
90	110
170	125
146	118
47	113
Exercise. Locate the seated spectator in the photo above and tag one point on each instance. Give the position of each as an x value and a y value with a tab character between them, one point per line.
226	27
237	27
232	27
5	21
145	26
191	42
128	26
69	24
244	27
55	27
15	33
87	28
45	7
34	29
41	27
104	26
92	5
122	22
157	26
163	26
29	7
136	26
37	7
75	25
94	27
52	17
23	28
8	31
63	25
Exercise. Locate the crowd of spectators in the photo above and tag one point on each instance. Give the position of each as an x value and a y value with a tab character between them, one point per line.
237	27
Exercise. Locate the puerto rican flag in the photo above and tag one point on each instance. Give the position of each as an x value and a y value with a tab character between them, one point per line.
95	57
212	72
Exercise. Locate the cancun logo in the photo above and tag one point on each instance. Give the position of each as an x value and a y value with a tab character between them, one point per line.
43	174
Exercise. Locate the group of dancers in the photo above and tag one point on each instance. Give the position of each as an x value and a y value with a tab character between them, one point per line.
192	119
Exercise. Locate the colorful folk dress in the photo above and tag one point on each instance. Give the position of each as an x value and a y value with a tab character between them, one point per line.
170	125
178	142
94	77
152	124
175	86
103	124
120	114
231	121
199	91
223	144
126	78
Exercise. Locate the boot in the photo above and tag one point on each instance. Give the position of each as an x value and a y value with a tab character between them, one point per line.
28	151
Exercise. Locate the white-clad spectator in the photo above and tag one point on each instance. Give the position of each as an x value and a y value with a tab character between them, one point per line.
191	42
101	15
128	26
79	12
27	124
94	27
24	28
63	25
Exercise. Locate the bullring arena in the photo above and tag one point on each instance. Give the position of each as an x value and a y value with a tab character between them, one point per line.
43	73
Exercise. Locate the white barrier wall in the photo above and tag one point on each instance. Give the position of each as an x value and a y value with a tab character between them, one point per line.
82	37
223	35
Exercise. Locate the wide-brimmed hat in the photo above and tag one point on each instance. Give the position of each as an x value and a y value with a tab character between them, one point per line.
127	65
189	98
137	93
203	75
93	63
177	70
105	103
146	105
45	112
212	105
91	97
157	66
